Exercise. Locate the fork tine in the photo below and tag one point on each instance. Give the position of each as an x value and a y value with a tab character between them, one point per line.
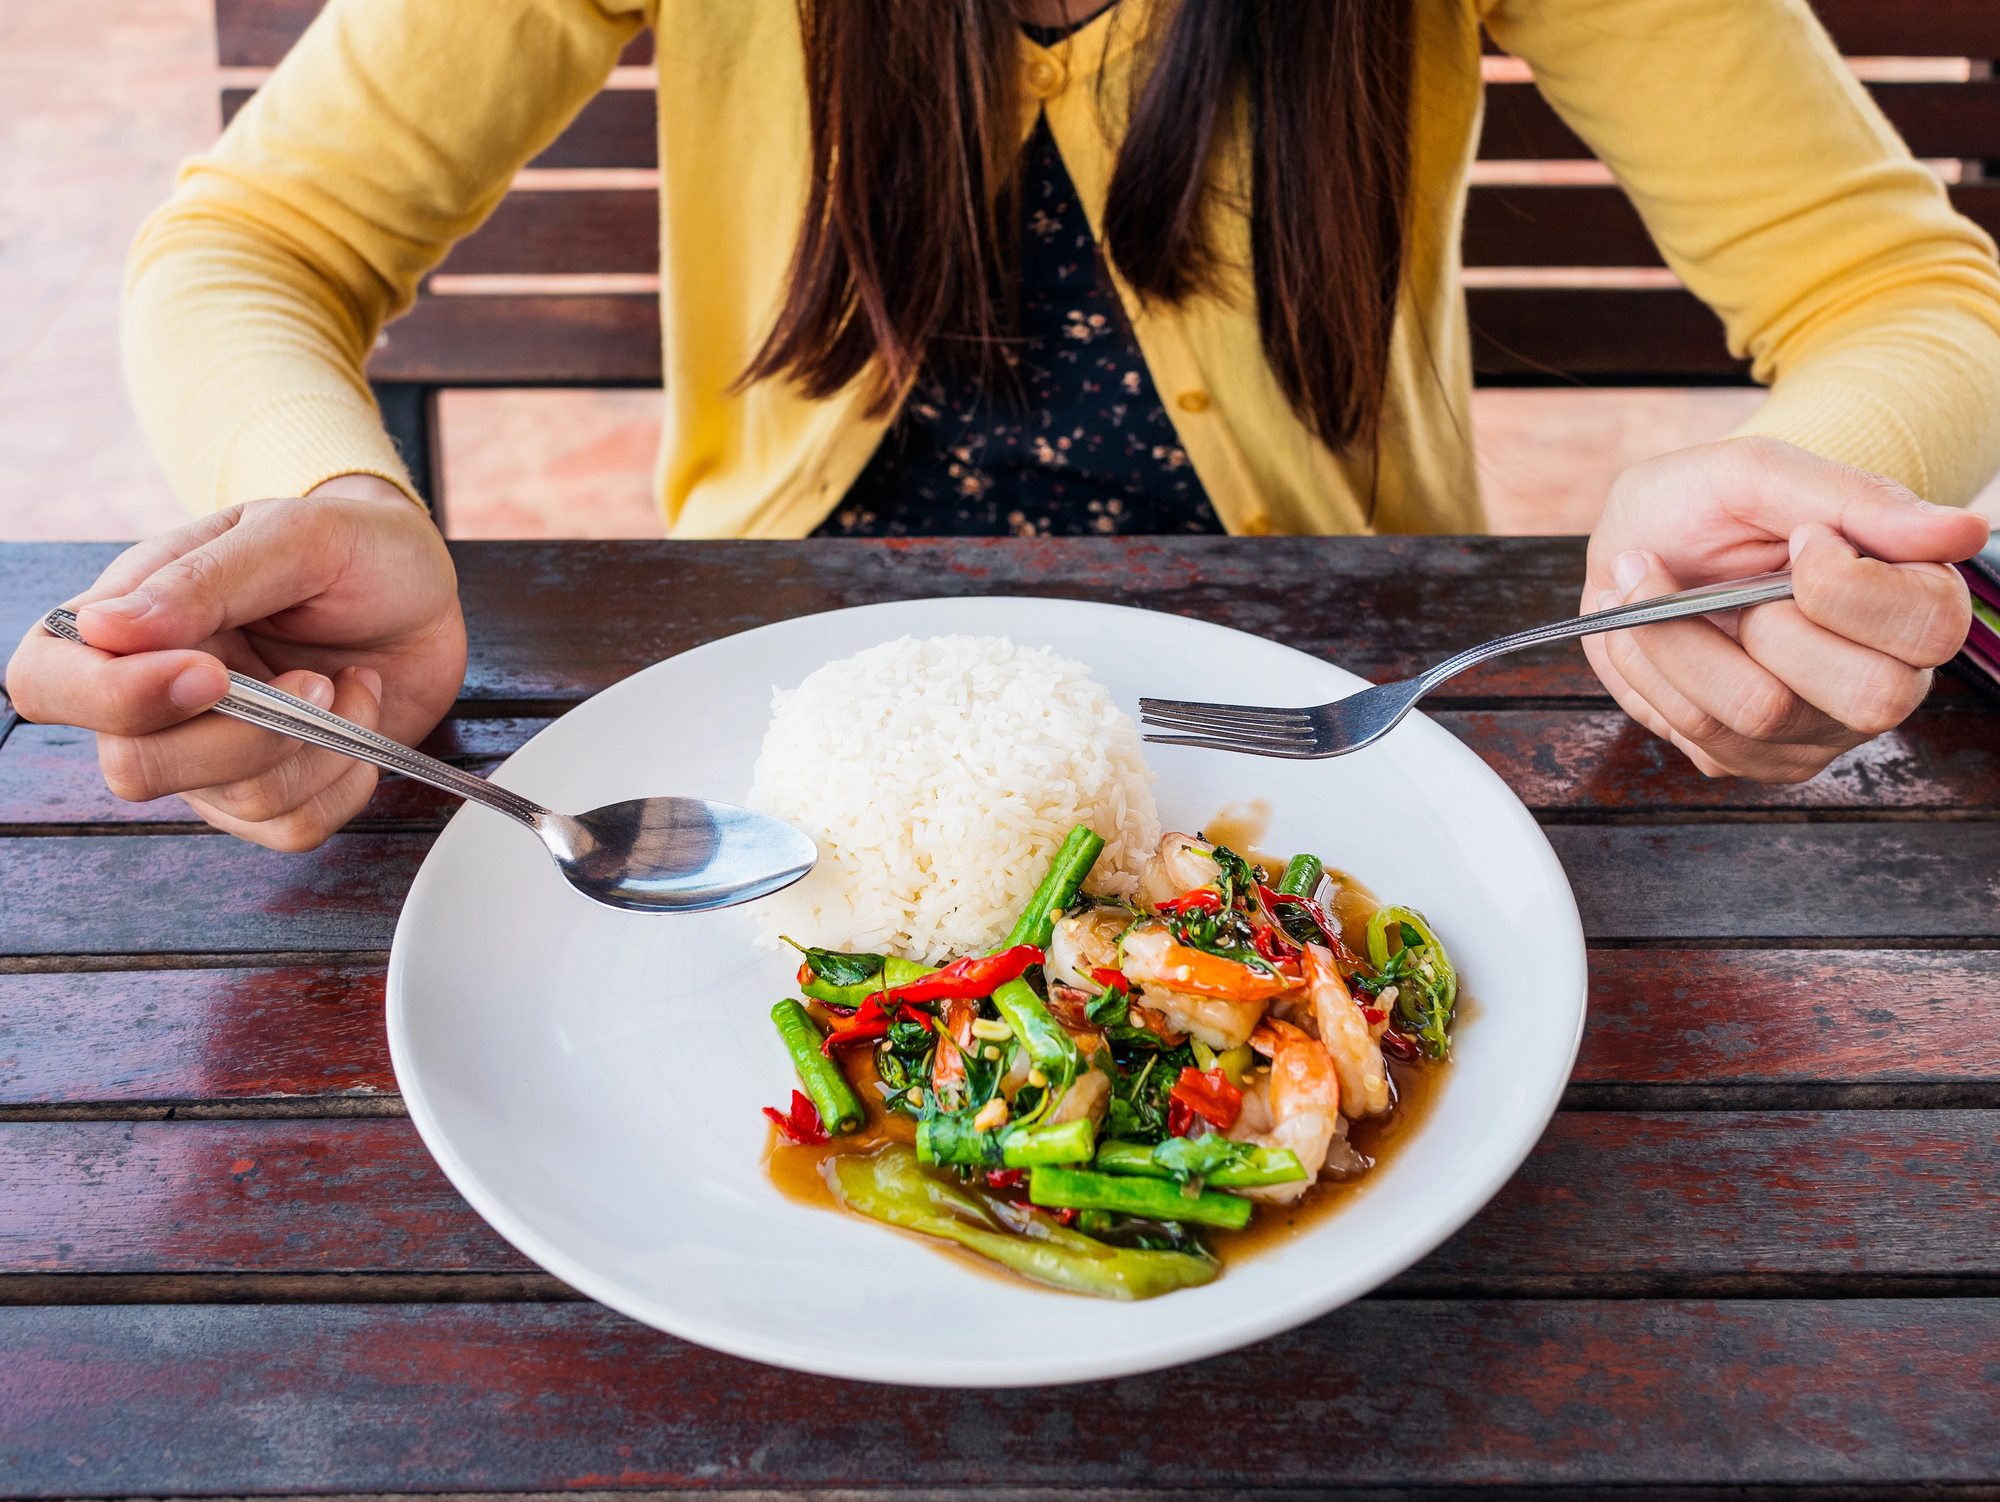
1235	713
1232	732
1226	724
1207	744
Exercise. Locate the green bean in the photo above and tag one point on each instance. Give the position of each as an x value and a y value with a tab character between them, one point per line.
1302	874
1259	1165
889	1186
1075	1189
1073	860
894	973
1048	1044
951	1139
840	1109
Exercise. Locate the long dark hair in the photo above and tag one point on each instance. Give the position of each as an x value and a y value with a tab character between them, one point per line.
910	232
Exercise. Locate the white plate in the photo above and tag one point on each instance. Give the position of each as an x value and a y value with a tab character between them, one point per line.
590	1080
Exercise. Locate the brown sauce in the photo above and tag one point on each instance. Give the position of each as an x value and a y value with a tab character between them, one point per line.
797	1171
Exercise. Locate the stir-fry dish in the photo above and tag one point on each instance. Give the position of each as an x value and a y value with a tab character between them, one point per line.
1119	1082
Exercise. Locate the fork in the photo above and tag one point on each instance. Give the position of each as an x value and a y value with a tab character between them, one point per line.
1361	719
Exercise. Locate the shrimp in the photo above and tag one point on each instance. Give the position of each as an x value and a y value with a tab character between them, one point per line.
1347	1036
953	1034
1182	864
1217	1000
1083	944
1089	1095
1302	1101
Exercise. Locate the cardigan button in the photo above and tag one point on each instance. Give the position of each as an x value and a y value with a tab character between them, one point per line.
1192	401
1257	524
1045	79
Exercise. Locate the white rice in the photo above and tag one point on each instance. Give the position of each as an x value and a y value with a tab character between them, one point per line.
938	777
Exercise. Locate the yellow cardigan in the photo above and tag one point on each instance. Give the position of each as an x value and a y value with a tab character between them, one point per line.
1775	188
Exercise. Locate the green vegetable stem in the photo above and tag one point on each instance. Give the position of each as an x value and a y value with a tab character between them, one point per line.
889	1186
847	980
1425	980
1076	1189
952	1139
840	1109
1302	874
1048	1045
1226	1165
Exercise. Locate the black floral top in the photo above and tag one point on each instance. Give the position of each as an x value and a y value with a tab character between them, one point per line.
1085	449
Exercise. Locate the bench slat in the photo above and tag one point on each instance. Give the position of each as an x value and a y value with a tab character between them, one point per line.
178	1401
258	33
209	894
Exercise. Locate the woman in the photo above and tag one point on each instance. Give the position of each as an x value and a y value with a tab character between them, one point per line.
963	265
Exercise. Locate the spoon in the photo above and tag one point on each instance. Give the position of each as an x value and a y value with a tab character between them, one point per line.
646	855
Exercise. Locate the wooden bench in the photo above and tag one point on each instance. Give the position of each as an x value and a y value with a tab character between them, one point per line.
1563	284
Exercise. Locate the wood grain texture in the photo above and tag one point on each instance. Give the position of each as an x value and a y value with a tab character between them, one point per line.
1560	762
1604	335
166	1401
1836	881
215	895
1680	1017
203	894
1603	1193
49	775
140	1035
1701	1016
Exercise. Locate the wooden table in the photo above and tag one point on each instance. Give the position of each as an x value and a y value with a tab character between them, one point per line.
1760	1244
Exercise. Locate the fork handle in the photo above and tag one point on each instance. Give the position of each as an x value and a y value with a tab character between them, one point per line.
1737	594
274	709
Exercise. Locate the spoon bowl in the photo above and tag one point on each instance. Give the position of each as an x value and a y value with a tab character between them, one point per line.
646	855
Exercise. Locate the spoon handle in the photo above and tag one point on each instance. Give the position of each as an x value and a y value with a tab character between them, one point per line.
274	709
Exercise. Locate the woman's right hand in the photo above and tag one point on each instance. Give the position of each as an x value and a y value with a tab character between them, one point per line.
346	597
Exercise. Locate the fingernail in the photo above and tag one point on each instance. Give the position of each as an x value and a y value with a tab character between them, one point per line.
1627	572
1796	543
370	680
1606	598
125	607
196	688
317	691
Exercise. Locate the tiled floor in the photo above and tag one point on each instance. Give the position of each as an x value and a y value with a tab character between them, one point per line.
100	98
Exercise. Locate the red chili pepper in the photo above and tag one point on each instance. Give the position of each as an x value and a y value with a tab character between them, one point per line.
1318	914
1271	944
806	976
803	1125
1374	1015
1004	1178
1179	1118
968	979
1209	1096
871	1022
1064	1217
1399	1045
1111	980
1200	900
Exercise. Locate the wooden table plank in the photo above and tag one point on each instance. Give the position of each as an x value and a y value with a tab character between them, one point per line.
49	775
1382	606
202	894
1679	1017
215	895
1603	1195
165	1401
194	1035
1838	881
1564	761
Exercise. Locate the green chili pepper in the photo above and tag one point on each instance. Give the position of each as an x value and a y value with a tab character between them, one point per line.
889	1186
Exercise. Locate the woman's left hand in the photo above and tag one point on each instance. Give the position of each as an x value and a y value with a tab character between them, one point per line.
1782	690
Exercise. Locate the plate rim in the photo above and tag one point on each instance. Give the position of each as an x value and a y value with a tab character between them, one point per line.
952	1370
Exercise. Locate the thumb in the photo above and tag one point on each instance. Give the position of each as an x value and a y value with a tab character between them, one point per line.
254	569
